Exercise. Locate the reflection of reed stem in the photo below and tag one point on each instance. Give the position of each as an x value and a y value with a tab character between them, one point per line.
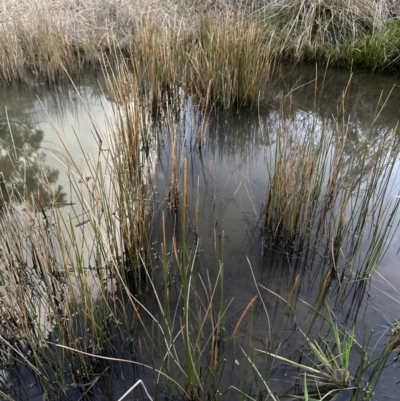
4	198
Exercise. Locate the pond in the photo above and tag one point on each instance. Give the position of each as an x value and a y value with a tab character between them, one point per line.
236	289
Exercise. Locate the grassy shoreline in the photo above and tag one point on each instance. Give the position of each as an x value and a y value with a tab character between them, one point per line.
49	39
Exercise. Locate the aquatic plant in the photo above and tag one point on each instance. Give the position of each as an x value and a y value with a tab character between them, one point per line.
328	369
323	193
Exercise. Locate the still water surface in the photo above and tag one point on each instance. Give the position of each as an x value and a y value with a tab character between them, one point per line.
230	178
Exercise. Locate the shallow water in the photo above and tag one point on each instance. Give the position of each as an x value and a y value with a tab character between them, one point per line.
229	176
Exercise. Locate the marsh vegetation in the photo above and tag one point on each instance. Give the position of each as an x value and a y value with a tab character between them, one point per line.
188	40
164	262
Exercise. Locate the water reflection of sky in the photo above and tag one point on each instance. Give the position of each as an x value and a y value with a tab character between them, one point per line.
230	169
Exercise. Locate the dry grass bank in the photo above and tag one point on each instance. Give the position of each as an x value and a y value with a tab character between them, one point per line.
47	38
